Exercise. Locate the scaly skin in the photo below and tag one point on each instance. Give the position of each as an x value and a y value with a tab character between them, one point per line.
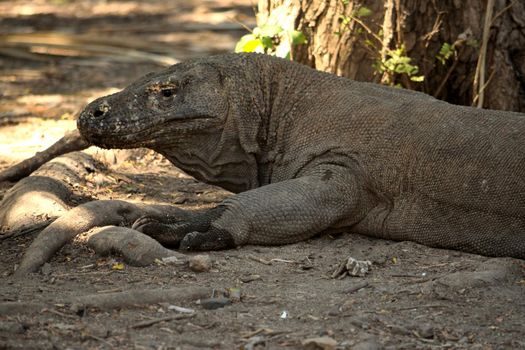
307	151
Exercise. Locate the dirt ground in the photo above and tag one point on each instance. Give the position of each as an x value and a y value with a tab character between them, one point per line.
414	297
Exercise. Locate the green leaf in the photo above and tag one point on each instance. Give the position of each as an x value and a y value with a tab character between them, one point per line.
369	43
345	20
297	37
362	12
267	42
417	78
248	43
445	52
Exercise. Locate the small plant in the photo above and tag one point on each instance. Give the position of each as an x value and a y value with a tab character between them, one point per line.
396	62
446	52
389	63
271	39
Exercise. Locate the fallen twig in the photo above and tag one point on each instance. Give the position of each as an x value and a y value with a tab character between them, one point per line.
72	141
479	78
148	323
355	287
138	298
37	227
260	260
15	307
61	314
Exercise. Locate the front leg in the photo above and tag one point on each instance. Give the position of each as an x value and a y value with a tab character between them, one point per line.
283	212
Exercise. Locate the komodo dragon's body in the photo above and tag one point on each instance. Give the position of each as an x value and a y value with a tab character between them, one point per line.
307	151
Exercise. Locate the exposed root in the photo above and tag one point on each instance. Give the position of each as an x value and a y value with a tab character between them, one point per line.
14	307
72	141
127	299
45	194
136	298
136	248
83	218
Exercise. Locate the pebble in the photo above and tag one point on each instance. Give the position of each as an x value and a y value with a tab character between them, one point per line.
46	269
215	303
250	278
368	344
320	343
425	330
200	263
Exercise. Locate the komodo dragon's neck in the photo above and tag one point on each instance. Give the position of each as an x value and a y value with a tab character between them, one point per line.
240	156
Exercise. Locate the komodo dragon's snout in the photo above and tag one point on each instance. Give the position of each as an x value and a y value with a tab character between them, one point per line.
157	110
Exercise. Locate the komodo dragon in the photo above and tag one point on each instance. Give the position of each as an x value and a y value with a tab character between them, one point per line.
306	151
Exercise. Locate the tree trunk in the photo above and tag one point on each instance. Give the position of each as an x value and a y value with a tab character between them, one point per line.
348	42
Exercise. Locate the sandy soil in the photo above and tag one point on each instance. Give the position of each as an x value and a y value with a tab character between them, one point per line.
414	297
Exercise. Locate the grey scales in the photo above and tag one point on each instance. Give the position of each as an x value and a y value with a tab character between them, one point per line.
306	152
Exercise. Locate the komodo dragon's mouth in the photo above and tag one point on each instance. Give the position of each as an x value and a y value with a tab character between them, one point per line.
138	134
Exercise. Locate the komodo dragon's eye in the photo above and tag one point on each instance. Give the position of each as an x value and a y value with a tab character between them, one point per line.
168	92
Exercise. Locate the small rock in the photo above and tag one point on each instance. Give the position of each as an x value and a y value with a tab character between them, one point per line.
46	269
200	263
215	303
254	341
335	311
11	327
425	330
359	321
352	267
357	268
320	343
250	278
395	329
234	294
368	344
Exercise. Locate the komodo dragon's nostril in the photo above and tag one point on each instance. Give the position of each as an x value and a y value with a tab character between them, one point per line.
101	110
98	113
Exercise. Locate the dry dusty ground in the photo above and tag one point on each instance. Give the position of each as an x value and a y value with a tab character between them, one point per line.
414	297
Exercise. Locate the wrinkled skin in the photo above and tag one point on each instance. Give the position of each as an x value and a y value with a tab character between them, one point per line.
307	151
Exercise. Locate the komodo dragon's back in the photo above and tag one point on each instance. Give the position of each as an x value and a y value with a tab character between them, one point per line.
307	151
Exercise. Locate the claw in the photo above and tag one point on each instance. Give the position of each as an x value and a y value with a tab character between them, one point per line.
213	239
141	222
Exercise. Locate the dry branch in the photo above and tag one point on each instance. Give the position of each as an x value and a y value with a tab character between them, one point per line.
72	141
479	78
15	307
139	298
148	323
127	299
46	194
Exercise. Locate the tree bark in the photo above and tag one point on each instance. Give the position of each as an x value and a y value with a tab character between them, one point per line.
422	27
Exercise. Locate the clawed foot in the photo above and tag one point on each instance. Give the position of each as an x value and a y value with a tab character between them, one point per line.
169	235
195	234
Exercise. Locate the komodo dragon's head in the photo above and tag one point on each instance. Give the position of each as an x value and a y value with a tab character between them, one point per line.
160	109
